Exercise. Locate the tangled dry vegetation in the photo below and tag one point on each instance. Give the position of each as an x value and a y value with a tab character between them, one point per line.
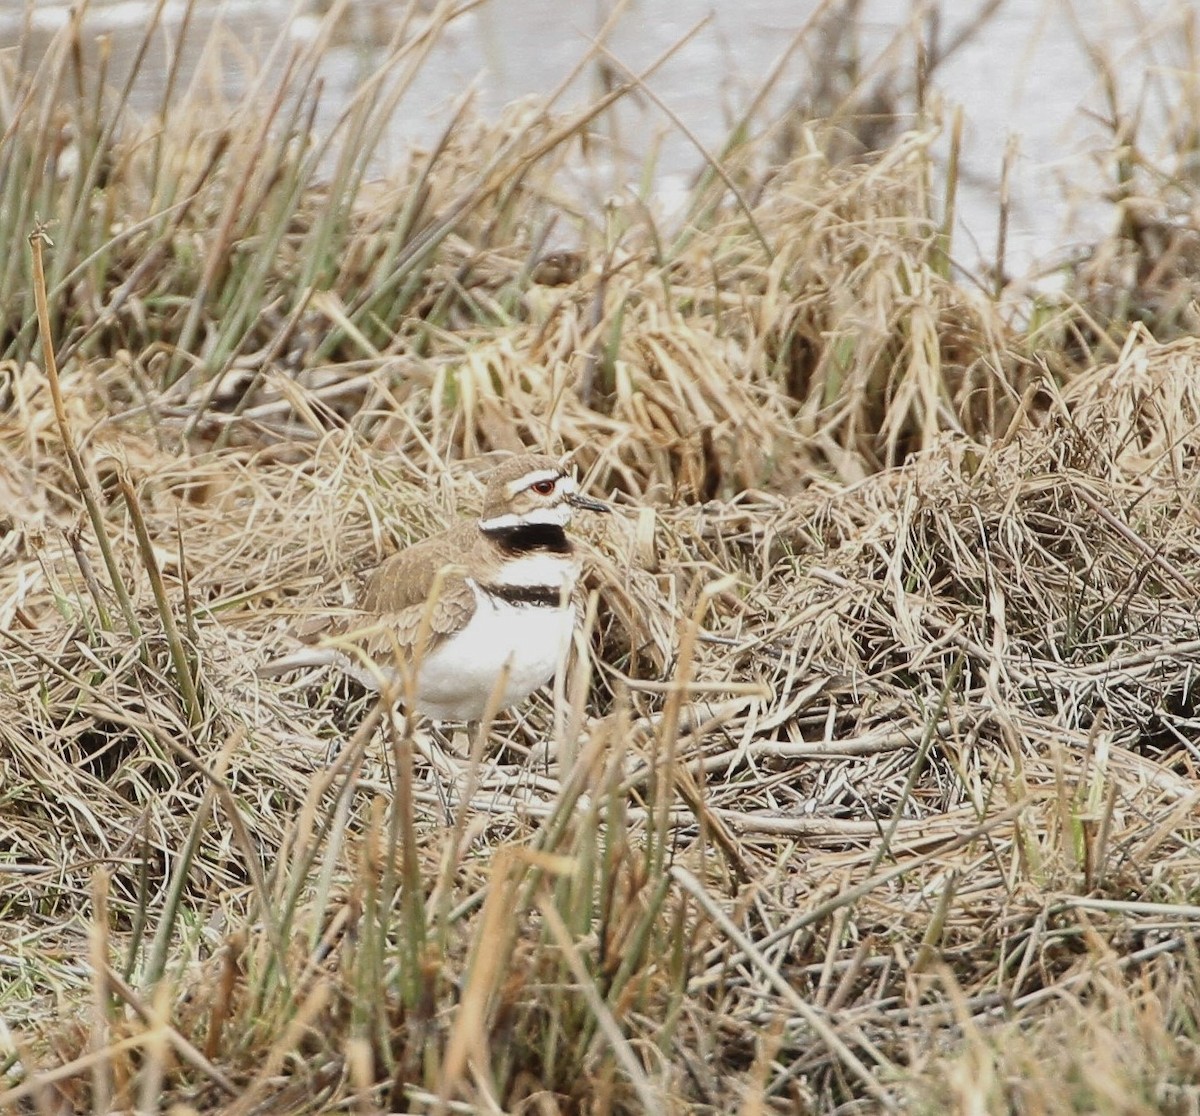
876	785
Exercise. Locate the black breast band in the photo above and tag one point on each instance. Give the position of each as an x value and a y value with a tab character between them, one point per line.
541	596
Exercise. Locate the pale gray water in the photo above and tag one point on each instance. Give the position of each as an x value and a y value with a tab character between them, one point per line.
1026	75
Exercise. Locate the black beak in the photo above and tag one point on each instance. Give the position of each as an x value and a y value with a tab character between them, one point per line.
586	503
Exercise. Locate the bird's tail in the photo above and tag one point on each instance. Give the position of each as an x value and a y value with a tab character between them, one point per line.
305	659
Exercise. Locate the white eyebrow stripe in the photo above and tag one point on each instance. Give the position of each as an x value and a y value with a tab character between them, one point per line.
530	479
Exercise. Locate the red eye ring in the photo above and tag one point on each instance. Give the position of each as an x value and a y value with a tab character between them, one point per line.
542	487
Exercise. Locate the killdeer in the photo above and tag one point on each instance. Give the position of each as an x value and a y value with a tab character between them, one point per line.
480	602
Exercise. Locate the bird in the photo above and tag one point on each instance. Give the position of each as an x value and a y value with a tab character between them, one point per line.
478	616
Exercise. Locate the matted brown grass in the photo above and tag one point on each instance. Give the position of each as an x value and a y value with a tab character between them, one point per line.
875	784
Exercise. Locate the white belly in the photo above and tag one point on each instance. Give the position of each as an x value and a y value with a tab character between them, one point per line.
456	679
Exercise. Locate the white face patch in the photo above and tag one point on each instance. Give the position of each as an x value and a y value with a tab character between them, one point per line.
558	516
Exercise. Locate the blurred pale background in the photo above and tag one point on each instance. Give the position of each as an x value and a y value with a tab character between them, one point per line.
1024	72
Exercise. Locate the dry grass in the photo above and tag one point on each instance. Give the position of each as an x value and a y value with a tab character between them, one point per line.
876	787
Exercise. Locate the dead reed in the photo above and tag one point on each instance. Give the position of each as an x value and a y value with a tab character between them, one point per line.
876	787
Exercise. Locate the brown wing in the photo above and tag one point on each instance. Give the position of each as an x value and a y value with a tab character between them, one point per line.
395	596
395	633
406	578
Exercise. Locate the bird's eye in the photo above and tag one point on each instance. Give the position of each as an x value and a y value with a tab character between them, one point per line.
543	487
